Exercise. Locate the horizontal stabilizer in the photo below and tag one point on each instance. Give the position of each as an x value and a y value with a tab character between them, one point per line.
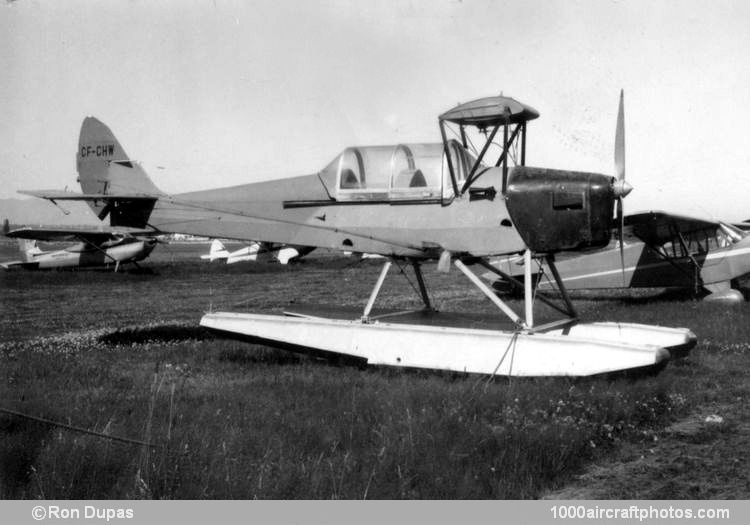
60	195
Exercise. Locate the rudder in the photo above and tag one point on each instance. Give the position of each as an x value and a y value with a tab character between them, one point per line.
105	168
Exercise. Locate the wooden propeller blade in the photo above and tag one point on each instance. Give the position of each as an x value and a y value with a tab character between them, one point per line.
620	140
620	228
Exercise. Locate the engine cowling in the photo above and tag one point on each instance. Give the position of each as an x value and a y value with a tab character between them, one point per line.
557	210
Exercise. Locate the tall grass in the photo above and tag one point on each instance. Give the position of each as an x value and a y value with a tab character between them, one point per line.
237	421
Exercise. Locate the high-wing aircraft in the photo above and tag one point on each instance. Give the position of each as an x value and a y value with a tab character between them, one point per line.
256	252
660	250
446	201
94	247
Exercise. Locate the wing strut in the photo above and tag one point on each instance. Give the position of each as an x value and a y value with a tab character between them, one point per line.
696	267
65	212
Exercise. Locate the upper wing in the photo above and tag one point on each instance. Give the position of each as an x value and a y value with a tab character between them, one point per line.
656	227
95	234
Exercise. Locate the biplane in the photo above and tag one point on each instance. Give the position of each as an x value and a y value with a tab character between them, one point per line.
449	202
660	250
94	247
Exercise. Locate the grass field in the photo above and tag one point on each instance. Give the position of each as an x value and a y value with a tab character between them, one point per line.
122	355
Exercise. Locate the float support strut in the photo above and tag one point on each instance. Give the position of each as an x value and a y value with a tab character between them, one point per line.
490	294
376	290
420	282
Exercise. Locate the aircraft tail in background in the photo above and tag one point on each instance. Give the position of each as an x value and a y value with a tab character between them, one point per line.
217	251
28	249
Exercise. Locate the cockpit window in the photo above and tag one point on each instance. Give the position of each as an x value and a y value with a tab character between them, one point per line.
351	170
701	241
401	172
415	171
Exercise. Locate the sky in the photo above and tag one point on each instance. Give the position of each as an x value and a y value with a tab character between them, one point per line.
210	93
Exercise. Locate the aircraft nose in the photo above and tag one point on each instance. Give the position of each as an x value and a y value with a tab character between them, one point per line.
622	188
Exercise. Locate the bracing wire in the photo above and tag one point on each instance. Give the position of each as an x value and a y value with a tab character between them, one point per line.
406	276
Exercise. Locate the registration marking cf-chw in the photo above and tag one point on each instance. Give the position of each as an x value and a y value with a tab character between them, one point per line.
100	150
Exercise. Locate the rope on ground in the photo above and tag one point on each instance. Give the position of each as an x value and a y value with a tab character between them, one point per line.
489	378
74	428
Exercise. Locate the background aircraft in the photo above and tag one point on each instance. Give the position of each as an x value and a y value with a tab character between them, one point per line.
447	201
659	250
256	252
359	255
95	247
217	251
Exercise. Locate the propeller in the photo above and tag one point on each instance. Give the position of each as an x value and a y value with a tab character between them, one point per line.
621	186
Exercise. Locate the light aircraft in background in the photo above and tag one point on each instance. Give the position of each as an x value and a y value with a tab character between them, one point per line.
447	202
360	255
216	252
95	248
255	252
660	250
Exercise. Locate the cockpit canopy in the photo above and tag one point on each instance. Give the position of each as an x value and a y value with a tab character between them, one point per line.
401	172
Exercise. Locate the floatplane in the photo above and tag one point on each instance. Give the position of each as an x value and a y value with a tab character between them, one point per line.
449	202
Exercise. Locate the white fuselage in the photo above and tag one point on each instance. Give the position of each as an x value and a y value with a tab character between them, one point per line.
86	255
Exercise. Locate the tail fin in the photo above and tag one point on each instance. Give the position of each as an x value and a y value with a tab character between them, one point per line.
105	168
28	249
217	251
217	248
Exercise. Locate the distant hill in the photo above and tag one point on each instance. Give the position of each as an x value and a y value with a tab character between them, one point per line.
31	212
